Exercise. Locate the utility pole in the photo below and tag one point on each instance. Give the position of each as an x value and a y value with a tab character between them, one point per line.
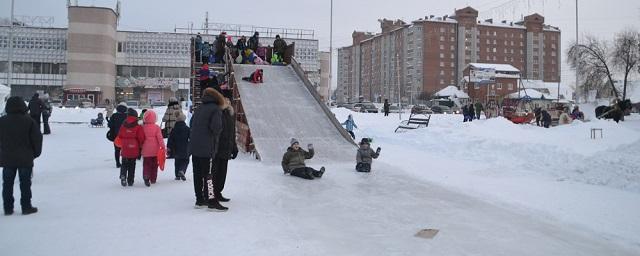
10	77
578	66
330	51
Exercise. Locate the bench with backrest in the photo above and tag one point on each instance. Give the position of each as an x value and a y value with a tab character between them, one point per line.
415	121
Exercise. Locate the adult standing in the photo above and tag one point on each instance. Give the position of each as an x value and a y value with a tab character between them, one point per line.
206	126
279	48
171	115
114	123
254	41
108	106
478	108
35	108
386	107
20	144
227	149
219	44
46	113
471	112
546	119
241	44
198	45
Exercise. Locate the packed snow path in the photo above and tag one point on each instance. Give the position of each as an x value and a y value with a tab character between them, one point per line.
84	211
282	108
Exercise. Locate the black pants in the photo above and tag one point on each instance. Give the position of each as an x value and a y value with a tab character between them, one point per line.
117	154
128	169
386	113
353	136
8	177
538	120
201	171
37	120
306	173
220	57
198	59
45	122
363	167
219	175
181	165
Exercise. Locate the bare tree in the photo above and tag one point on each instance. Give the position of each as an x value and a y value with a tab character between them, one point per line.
626	54
593	56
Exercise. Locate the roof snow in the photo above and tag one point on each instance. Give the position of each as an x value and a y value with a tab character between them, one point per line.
452	91
532	93
496	67
551	89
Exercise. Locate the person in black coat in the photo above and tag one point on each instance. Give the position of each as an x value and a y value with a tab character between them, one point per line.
20	144
220	43
386	107
115	122
254	41
206	126
46	113
537	112
471	112
178	146
35	108
227	149
546	118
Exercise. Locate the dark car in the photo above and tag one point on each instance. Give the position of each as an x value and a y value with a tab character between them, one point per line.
421	109
368	108
441	110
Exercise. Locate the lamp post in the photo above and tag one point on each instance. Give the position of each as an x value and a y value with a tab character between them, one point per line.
10	76
330	50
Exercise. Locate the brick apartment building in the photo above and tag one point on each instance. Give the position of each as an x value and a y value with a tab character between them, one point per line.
407	61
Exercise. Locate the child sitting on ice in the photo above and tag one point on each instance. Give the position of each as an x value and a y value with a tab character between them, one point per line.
365	156
255	77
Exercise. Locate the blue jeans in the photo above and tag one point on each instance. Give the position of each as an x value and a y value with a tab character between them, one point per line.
8	177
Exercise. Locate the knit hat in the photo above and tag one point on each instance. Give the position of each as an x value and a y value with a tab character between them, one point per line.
294	141
122	103
364	141
132	112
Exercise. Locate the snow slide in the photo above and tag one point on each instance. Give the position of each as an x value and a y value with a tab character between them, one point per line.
282	108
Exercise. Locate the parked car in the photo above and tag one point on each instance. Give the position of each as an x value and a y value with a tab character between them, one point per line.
346	105
441	110
394	109
158	104
357	107
133	104
421	109
86	104
368	108
56	103
71	104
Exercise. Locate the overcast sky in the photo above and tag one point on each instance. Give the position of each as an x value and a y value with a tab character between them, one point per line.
601	18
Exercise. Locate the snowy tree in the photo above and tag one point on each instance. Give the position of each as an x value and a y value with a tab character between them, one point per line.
626	54
591	58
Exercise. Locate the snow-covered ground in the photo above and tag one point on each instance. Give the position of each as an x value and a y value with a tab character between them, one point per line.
490	187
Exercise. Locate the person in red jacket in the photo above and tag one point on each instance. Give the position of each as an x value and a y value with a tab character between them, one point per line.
255	77
131	137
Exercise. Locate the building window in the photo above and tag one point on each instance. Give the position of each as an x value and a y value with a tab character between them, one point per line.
441	64
452	48
441	38
441	81
476	86
509	86
495	42
453	39
452	64
521	44
442	55
505	59
453	56
488	41
494	58
453	30
495	50
442	72
488	49
488	58
441	30
495	33
441	47
499	86
505	50
506	43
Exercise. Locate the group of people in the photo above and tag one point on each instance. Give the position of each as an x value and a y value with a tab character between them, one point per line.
472	111
543	117
243	52
209	141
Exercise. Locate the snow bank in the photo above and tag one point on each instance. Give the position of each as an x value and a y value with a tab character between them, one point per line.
559	172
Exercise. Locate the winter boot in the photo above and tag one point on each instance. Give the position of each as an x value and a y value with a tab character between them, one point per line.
147	182
213	205
123	180
181	176
29	210
221	198
319	173
200	204
8	212
177	178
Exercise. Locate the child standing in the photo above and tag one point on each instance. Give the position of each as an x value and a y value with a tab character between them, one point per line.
178	146
131	138
152	143
365	156
350	124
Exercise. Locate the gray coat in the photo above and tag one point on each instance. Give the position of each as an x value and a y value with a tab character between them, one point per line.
294	159
366	154
206	125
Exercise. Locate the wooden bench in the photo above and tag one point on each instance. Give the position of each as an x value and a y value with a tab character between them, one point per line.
415	121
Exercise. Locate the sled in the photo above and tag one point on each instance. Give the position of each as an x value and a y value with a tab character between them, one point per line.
162	158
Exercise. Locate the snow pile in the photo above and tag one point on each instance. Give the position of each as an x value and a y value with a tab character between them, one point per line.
559	171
